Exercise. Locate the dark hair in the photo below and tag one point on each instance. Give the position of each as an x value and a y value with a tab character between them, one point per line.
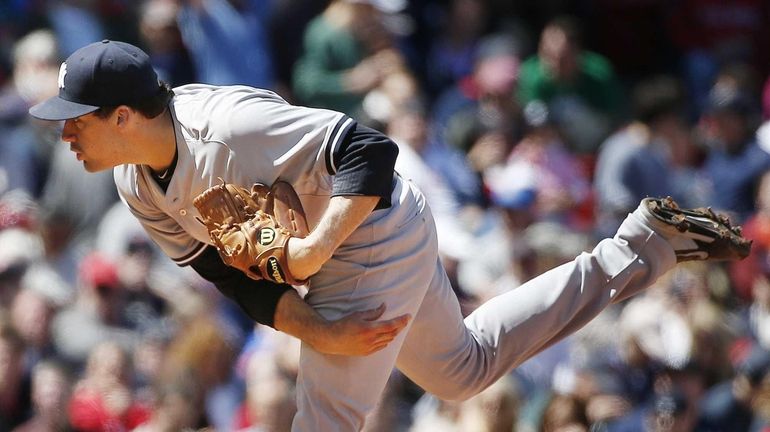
657	97
149	107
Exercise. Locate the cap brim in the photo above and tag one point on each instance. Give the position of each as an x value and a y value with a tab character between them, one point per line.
57	108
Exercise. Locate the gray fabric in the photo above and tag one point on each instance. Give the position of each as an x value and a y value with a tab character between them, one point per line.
446	355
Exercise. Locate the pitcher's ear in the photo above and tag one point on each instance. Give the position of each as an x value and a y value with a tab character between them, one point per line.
122	114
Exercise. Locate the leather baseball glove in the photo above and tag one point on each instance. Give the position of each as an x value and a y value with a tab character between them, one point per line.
251	228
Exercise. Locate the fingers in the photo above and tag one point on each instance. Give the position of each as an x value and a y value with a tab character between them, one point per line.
373	335
381	341
394	325
384	333
388	325
378	347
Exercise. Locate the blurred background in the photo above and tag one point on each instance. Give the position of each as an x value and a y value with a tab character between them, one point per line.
533	127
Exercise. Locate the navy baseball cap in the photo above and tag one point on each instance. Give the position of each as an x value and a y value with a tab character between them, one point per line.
106	73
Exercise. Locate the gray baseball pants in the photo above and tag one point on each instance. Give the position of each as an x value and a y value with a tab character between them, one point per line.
393	258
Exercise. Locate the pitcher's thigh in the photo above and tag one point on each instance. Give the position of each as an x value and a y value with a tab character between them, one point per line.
337	392
440	354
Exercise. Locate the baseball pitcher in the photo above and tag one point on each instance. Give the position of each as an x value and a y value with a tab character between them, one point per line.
212	172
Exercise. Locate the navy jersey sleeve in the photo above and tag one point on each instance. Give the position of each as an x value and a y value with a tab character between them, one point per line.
259	299
365	160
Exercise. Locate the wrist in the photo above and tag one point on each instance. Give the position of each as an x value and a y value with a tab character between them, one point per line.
295	317
317	332
305	257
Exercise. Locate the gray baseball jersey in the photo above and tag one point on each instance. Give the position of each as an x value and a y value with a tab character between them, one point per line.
245	135
241	135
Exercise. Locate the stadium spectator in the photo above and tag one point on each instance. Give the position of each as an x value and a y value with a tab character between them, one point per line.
50	396
26	145
641	159
579	86
163	42
452	54
347	53
103	399
227	40
562	185
95	316
735	160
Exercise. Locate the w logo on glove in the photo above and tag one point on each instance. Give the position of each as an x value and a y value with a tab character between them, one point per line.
251	228
266	236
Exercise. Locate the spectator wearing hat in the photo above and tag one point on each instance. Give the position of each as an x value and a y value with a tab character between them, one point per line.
562	185
648	156
735	160
72	202
95	315
488	88
21	247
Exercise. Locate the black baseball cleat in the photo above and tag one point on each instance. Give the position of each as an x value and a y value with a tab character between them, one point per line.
696	234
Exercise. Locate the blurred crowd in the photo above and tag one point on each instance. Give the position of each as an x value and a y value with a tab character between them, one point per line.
532	127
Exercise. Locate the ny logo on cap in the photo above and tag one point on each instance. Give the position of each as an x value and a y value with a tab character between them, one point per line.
62	73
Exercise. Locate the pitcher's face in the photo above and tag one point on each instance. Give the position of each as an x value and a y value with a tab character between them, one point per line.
92	140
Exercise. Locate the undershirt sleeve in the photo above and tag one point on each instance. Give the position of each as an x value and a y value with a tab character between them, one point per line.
365	160
258	299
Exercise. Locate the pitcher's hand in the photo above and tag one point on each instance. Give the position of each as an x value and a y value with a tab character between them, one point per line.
359	333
